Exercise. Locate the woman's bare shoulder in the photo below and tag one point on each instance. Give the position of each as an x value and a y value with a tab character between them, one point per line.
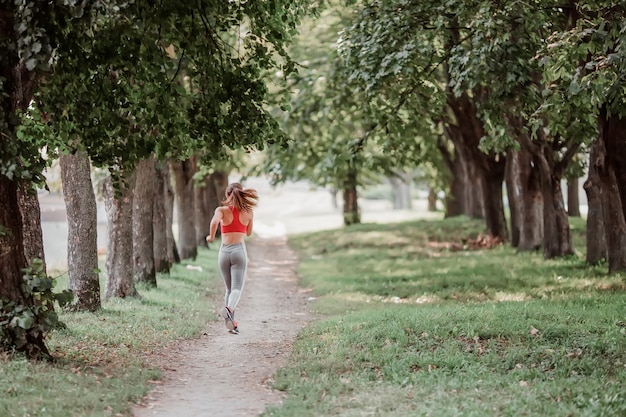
221	210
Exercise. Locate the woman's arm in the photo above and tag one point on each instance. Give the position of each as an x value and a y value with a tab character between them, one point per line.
215	221
250	225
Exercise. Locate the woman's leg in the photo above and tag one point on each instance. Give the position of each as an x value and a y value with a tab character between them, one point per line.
223	261
239	264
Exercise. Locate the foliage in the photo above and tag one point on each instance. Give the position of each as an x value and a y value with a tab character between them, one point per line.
132	78
331	123
397	55
413	311
584	67
22	324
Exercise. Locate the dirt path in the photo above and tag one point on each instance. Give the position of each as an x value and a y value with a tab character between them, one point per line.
221	374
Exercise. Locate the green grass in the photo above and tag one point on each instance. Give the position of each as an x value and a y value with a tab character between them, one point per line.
419	325
103	359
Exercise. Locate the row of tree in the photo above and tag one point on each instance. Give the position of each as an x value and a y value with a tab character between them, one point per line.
478	94
144	90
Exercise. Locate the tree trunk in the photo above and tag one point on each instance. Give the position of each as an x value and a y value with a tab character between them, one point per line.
514	196
219	179
525	201
616	225
82	230
119	260
183	186
159	219
487	170
550	162
455	200
492	180
143	231
201	213
475	193
351	213
213	200
557	240
18	84
573	200
432	199
172	250
31	223
613	134
597	201
12	258
401	189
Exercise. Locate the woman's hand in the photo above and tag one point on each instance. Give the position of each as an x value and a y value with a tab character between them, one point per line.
209	238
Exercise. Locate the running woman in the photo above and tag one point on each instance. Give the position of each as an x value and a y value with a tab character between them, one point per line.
236	218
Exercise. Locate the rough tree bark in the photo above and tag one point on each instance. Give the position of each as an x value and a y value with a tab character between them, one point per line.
142	218
216	189
432	199
597	200
119	259
18	84
82	226
351	212
486	169
550	164
202	214
220	179
172	250
183	173
557	239
573	200
613	177
159	219
401	190
455	200
525	201
31	223
12	258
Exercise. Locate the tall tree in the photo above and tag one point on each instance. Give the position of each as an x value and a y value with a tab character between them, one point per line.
584	68
160	220
31	220
119	259
25	47
183	173
113	87
142	223
336	142
398	54
82	230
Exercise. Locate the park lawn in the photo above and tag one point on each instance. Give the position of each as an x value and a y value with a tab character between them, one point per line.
103	359
419	323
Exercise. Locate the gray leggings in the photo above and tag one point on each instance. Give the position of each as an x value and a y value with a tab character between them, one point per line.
233	262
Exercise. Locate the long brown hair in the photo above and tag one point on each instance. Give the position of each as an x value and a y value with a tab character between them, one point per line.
240	198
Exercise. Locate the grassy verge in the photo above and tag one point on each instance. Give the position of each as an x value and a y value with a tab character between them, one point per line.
103	359
421	322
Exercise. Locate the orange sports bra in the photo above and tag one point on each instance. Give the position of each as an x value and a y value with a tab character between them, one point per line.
235	226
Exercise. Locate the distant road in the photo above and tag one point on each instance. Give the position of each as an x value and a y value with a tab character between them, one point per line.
290	208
